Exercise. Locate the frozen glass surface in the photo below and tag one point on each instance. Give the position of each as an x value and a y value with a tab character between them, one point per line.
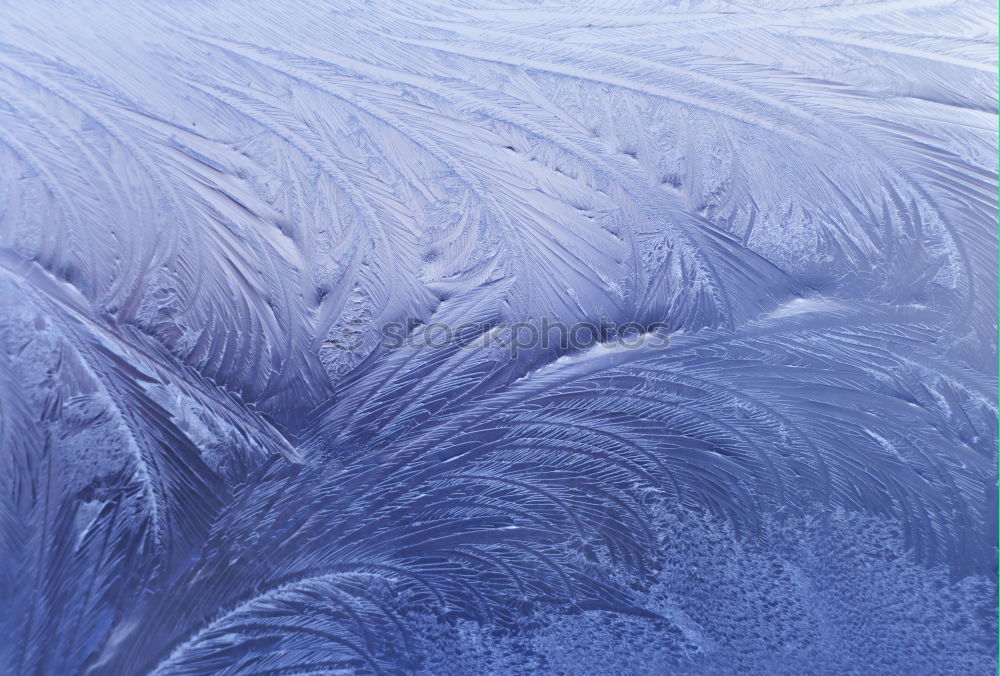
472	337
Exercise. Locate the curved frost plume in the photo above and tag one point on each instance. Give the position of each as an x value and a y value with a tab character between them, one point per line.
278	392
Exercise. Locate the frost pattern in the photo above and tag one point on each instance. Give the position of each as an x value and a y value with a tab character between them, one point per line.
211	463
